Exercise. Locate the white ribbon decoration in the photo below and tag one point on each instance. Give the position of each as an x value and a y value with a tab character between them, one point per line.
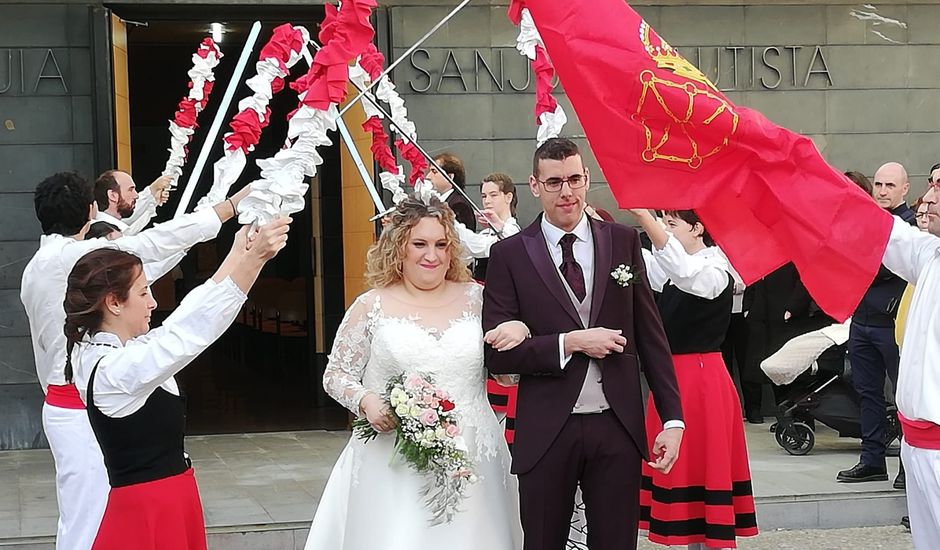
201	73
403	127
550	124
227	169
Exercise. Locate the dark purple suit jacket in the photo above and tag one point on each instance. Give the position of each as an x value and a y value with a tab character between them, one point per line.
522	283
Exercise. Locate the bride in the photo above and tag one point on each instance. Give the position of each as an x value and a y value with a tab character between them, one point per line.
422	315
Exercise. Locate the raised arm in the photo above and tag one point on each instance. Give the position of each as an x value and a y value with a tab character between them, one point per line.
146	362
909	250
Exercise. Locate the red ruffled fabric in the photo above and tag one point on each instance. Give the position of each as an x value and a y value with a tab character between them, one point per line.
246	129
284	39
185	116
372	61
380	148
207	45
419	166
344	33
544	74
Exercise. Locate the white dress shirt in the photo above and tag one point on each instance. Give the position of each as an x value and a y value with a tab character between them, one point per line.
703	274
129	373
103	216
46	277
446	194
915	256
144	211
583	250
477	245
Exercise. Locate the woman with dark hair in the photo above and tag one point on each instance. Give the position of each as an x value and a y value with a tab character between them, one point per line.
125	372
706	500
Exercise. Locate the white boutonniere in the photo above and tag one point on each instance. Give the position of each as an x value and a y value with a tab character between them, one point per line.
623	275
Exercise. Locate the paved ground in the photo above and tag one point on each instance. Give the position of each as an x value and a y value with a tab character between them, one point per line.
251	479
868	538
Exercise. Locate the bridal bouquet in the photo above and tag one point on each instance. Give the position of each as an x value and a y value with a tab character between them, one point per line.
428	439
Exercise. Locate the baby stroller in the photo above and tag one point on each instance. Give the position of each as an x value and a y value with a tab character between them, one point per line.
823	392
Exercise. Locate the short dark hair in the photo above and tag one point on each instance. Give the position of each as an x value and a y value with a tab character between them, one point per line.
930	173
62	201
100	230
860	180
554	149
105	182
505	185
452	164
691	218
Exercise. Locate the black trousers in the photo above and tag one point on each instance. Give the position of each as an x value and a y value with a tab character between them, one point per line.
734	352
596	451
873	353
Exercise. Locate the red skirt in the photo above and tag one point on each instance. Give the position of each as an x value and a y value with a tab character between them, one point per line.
706	497
165	514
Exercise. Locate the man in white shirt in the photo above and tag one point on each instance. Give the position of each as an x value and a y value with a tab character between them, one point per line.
120	205
915	257
65	205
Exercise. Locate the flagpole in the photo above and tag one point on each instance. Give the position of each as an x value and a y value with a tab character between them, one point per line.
193	180
408	52
430	159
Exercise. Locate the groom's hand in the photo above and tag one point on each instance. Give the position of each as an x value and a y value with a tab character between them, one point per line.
596	342
665	449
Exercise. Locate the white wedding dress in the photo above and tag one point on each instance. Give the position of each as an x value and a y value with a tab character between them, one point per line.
373	501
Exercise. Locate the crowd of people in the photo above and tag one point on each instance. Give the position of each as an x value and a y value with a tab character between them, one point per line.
560	318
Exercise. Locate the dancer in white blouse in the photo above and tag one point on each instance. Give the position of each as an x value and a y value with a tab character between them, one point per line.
134	403
706	500
499	203
64	205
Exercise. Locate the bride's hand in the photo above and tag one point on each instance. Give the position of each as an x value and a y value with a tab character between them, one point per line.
377	413
506	380
507	335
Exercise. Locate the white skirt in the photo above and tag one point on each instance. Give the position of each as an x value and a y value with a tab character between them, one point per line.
371	501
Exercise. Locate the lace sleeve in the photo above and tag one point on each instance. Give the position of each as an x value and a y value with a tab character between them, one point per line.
342	378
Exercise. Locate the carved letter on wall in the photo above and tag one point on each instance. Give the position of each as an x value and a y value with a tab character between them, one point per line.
811	70
767	64
58	72
9	83
444	74
427	74
478	61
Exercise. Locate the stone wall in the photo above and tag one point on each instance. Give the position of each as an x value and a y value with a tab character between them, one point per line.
46	125
860	81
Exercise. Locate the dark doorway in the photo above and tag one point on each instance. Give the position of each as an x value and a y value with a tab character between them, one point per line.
265	373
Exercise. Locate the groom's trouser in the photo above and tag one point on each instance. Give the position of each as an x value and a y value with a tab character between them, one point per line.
597	451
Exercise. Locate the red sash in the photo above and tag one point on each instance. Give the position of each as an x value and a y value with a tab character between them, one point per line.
65	397
920	433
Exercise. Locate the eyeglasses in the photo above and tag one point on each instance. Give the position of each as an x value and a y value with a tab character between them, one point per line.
553	185
920	215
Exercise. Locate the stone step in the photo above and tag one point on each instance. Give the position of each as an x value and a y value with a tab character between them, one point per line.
829	511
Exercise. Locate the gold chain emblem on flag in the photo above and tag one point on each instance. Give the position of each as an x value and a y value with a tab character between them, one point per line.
681	131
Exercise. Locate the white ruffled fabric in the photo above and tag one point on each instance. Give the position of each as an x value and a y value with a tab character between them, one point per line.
550	124
403	127
281	189
201	73
227	169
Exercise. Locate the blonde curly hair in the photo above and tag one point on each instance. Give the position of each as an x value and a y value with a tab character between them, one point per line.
384	258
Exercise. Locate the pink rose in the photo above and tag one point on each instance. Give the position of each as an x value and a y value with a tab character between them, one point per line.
428	417
452	430
414	382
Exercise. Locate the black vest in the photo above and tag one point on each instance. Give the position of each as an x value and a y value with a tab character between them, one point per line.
144	446
694	324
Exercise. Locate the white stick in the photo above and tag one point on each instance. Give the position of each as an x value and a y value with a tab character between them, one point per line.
404	55
357	158
193	180
353	151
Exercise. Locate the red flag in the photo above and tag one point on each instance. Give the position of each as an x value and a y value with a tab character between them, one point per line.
665	137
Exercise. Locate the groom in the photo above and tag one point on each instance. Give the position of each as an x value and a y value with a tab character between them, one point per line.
580	407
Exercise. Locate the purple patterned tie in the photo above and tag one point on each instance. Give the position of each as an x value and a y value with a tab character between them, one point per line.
570	268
